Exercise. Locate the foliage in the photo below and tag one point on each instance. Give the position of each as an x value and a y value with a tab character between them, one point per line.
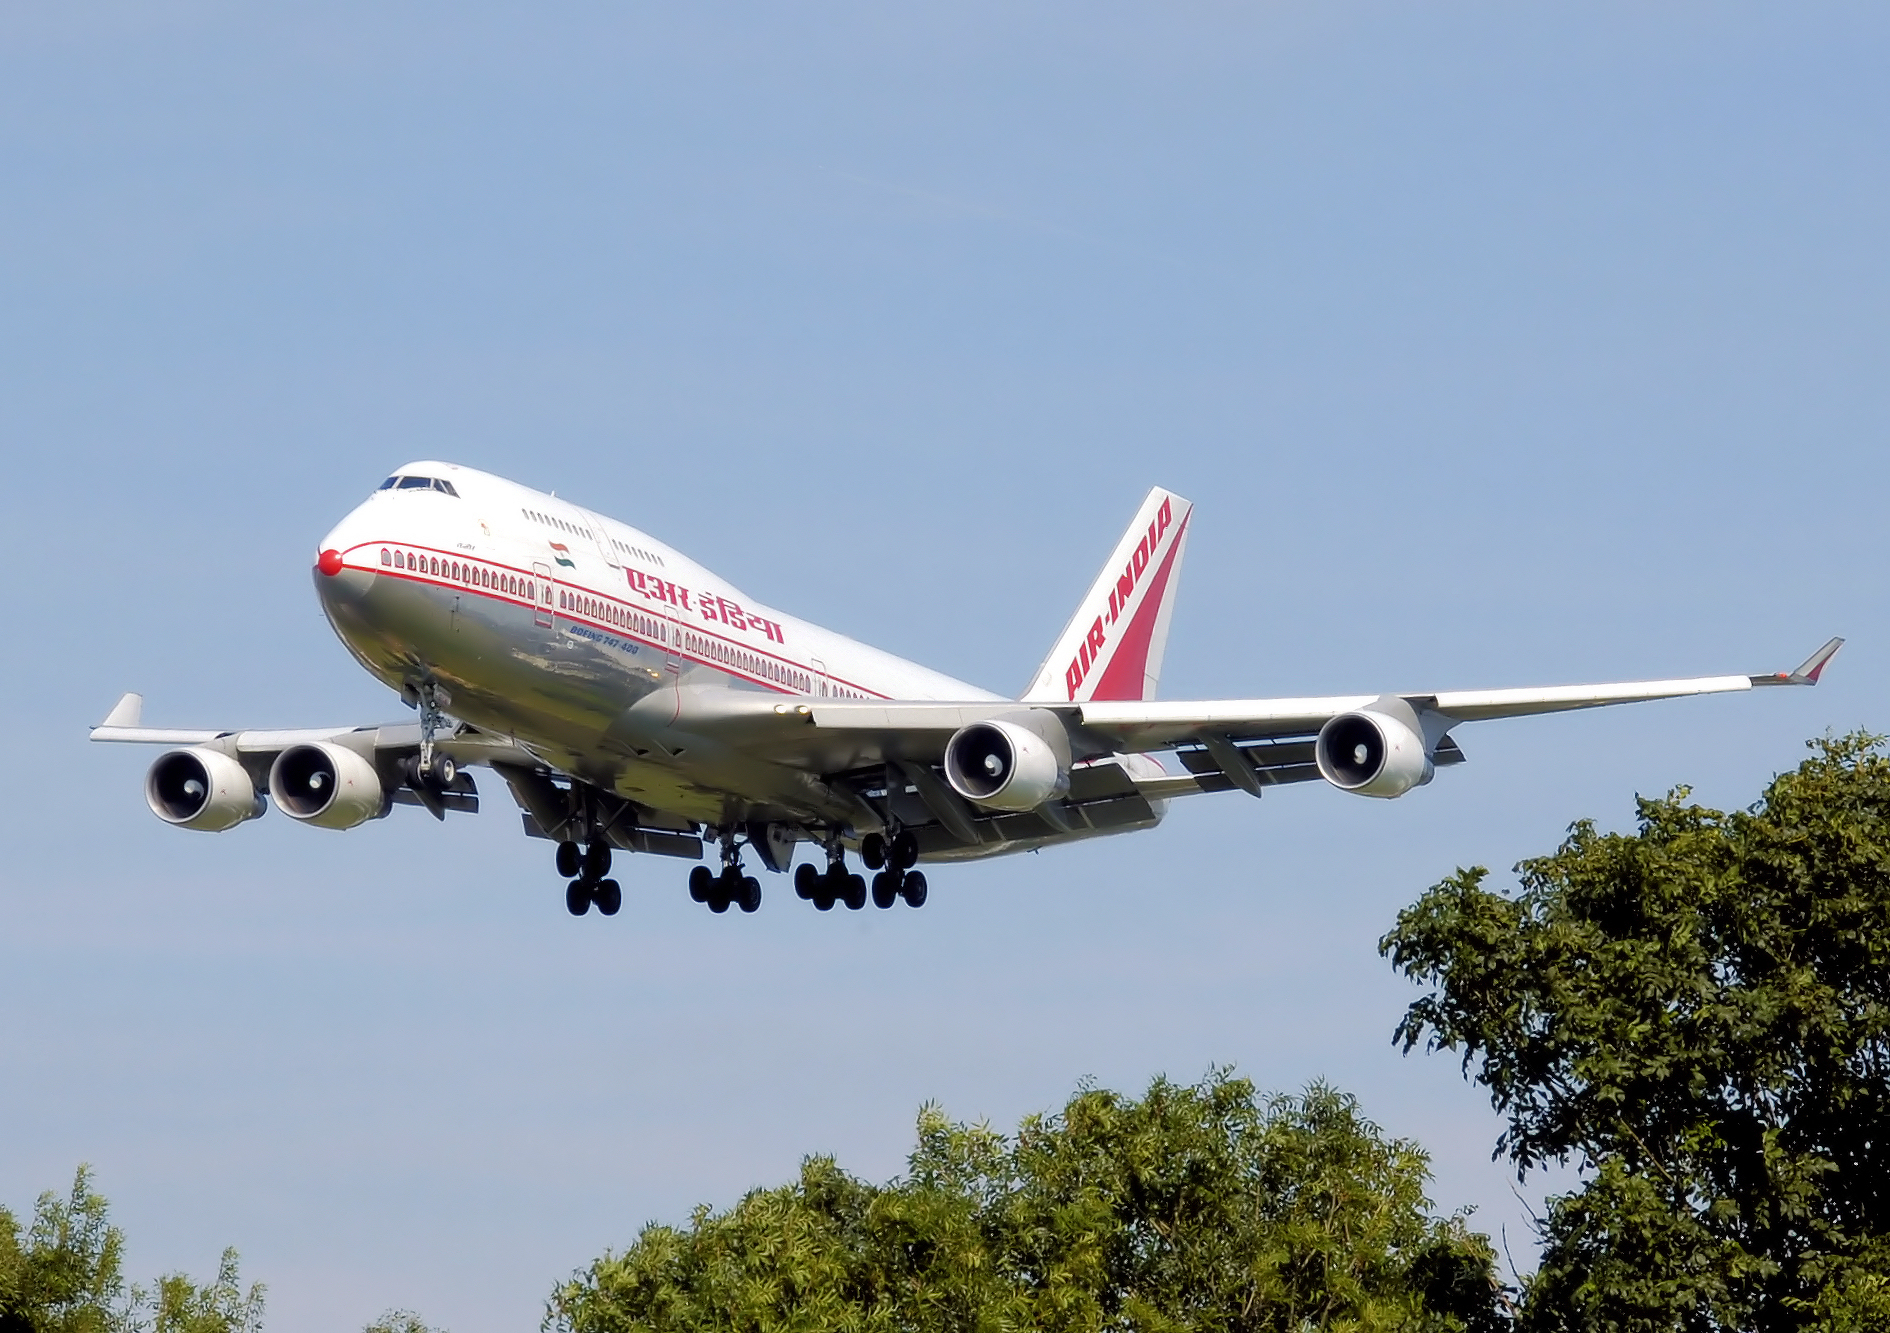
179	1306
401	1321
1195	1208
67	1278
1698	1015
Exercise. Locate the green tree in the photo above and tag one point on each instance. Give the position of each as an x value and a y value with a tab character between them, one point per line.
1194	1208
178	1305
401	1321
1698	1015
66	1277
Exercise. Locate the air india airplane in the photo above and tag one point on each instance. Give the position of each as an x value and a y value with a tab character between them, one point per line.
632	701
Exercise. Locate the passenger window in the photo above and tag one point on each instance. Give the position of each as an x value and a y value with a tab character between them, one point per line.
387	557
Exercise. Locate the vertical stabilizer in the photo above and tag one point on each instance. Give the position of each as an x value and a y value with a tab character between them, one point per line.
1112	647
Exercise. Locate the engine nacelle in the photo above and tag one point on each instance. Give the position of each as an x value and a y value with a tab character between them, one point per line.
201	789
1372	754
328	786
1014	763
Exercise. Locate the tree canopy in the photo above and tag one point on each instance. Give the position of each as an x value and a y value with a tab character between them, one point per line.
1698	1015
1193	1208
65	1276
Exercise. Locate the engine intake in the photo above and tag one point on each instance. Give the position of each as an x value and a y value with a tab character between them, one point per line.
1372	753
326	785
201	789
1015	763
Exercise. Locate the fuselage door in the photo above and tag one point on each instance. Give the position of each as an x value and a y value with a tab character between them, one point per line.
541	609
602	537
820	676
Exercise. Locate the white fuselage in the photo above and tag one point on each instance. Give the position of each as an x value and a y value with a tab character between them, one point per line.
548	623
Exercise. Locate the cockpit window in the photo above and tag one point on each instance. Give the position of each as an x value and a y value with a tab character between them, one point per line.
420	484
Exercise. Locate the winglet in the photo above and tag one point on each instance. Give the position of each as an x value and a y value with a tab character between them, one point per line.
127	712
1807	671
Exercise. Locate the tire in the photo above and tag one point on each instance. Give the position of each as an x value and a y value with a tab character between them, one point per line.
913	891
855	896
806	881
597	860
750	899
718	904
609	897
873	852
577	897
701	883
570	860
885	889
823	901
905	851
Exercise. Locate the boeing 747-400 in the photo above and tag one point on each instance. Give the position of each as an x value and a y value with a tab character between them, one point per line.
632	701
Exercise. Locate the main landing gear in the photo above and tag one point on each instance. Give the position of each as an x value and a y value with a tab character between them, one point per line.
896	878
729	889
586	868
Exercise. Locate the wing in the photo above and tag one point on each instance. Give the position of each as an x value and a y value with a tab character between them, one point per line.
235	767
1245	743
388	749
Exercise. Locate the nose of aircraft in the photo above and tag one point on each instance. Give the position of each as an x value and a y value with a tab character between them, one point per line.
344	568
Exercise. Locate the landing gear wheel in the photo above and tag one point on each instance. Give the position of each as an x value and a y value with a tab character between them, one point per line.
577	897
905	851
824	901
444	771
750	899
873	851
570	860
855	895
913	890
609	897
726	890
885	888
597	860
701	882
806	881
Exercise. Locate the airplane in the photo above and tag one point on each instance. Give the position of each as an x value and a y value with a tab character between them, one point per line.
633	701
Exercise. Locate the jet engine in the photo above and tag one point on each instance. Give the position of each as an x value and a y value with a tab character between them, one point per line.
1373	753
1010	763
328	786
201	789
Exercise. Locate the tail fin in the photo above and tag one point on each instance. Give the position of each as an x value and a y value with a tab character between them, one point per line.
1112	647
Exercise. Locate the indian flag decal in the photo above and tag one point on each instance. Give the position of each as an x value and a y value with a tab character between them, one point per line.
562	554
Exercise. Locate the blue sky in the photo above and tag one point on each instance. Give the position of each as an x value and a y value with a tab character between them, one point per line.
1496	345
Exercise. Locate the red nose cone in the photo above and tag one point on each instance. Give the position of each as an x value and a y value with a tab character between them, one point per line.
330	562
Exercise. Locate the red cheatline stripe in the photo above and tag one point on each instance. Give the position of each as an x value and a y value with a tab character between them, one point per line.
411	575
